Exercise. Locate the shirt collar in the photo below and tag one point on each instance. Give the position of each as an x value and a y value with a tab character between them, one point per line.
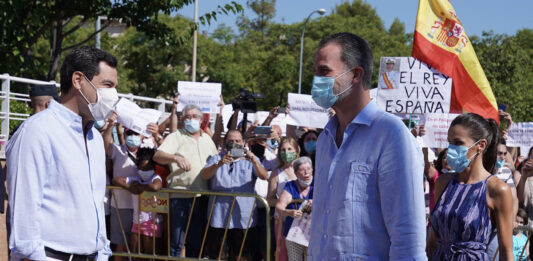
73	120
364	117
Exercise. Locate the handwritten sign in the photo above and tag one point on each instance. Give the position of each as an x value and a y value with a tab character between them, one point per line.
407	85
154	202
437	126
520	134
300	231
134	117
305	112
204	94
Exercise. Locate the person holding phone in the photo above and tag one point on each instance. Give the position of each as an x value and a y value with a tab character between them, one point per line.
229	172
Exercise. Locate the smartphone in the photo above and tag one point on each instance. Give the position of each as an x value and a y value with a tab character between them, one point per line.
501	107
237	153
262	130
282	110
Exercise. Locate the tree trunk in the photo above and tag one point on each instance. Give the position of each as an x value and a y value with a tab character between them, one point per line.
56	41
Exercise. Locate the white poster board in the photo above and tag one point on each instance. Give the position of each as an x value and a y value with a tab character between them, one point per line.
437	126
305	112
300	231
520	134
407	85
204	94
133	117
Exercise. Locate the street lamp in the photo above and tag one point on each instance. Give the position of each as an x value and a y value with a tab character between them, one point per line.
320	11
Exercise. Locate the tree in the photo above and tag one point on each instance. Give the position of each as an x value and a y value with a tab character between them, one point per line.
24	22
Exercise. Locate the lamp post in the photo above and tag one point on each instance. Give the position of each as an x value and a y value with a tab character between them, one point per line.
320	11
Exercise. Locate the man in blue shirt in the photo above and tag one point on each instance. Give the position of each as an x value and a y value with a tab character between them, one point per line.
232	173
368	199
56	166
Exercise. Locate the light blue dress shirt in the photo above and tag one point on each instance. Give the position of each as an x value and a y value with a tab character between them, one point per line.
369	201
56	186
240	177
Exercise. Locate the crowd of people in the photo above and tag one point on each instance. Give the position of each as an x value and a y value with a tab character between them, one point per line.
360	179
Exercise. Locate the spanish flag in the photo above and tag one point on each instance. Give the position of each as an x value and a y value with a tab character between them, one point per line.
441	42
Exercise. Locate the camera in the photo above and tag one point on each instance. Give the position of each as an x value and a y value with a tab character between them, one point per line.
262	130
237	153
246	101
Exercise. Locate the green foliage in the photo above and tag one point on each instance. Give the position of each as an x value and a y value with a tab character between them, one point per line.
17	107
508	65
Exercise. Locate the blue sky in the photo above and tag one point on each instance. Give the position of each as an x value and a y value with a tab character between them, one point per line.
476	15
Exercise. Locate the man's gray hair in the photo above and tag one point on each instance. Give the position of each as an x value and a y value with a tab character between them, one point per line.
300	161
189	107
355	52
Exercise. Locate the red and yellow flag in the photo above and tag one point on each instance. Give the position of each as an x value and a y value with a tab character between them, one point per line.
441	42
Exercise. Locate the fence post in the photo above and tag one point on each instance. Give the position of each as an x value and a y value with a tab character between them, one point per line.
161	105
4	133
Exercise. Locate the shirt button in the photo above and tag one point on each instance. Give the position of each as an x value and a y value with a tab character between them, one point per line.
357	258
330	186
328	211
325	236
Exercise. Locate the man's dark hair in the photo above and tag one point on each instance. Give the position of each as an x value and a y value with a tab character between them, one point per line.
355	52
86	60
146	154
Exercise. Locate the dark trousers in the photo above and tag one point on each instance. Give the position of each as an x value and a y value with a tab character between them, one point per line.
179	216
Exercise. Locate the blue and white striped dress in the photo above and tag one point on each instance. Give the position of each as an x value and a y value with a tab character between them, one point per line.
461	222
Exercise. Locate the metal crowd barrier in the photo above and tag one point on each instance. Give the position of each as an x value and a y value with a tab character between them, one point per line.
161	204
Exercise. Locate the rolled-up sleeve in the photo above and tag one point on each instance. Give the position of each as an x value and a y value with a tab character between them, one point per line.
402	198
27	165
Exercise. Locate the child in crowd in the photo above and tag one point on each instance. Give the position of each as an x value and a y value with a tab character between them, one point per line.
519	239
143	222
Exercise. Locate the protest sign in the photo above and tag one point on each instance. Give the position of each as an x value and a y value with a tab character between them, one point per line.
204	94
520	134
154	202
305	112
133	117
437	126
407	85
300	231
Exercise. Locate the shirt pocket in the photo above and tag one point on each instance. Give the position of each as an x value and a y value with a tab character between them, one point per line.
363	180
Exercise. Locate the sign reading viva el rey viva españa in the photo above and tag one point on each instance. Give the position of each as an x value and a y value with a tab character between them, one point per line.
407	85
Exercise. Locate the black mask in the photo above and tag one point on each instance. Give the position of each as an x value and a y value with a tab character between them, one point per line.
258	150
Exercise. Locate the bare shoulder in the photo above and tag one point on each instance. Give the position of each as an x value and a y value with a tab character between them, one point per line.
497	188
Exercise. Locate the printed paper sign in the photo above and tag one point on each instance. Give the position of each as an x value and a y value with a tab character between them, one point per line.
204	94
154	202
133	117
305	112
300	231
437	126
520	134
407	85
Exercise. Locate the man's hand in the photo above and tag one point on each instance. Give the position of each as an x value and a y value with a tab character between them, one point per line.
152	128
309	206
182	162
250	156
227	159
112	118
175	102
135	188
422	130
273	112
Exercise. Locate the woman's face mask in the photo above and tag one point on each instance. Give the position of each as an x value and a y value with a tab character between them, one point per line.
456	157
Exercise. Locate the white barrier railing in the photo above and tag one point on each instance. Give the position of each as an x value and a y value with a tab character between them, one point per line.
6	96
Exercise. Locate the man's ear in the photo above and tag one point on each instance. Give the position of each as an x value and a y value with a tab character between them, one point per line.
77	78
46	104
358	74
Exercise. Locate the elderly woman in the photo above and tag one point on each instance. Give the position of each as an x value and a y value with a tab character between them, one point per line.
299	189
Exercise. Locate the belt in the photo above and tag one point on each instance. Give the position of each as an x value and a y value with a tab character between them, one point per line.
69	257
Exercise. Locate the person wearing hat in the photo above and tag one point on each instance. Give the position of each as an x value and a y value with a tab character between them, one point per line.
40	96
389	78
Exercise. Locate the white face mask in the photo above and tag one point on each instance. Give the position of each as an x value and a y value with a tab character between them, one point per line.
304	183
106	98
145	174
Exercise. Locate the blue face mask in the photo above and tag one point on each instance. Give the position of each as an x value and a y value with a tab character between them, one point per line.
500	163
322	91
99	124
272	143
192	126
456	157
133	141
310	146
